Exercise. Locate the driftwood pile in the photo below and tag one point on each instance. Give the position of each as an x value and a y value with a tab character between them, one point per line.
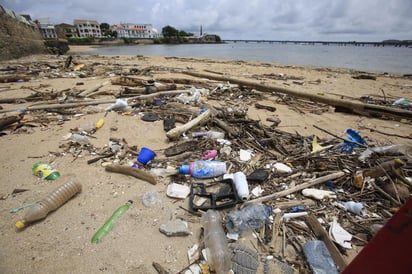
380	181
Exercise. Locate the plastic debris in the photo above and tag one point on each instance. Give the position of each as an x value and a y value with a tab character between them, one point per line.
340	235
318	194
354	140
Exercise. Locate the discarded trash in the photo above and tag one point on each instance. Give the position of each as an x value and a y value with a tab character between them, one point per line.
216	245
169	122
17	209
210	134
204	168
244	259
258	176
209	154
354	140
252	216
80	139
100	123
318	194
353	207
50	202
288	216
145	155
339	235
45	171
109	224
402	102
387	150
216	195
319	259
281	168
245	155
242	187
151	198
118	105
177	191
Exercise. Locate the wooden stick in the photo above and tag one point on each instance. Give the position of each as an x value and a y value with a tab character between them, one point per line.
298	187
360	108
93	89
6	121
177	131
322	234
135	172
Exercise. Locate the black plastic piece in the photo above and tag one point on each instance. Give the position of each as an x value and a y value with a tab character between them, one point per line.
218	195
258	176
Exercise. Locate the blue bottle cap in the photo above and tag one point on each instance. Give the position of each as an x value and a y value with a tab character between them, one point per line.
185	169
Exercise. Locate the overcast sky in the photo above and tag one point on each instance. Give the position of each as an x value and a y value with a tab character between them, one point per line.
327	20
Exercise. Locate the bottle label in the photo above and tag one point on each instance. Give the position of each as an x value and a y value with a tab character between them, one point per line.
43	170
208	169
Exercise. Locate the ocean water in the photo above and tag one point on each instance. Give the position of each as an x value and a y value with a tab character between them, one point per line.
364	58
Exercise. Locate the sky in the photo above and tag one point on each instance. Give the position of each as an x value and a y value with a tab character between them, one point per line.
304	20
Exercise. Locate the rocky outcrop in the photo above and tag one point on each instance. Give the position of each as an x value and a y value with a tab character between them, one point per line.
18	37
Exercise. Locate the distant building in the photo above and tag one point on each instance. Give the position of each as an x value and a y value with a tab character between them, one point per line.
88	28
65	31
132	30
46	28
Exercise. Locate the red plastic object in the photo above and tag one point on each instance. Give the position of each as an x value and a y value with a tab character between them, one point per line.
390	250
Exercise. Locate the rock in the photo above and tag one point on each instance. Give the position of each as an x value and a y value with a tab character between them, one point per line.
175	228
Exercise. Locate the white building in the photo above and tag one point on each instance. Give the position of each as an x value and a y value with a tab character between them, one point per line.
88	28
132	30
47	31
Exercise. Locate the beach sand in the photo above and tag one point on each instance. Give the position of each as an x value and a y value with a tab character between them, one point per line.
61	243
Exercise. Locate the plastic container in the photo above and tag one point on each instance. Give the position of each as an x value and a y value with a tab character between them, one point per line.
217	253
242	187
81	139
45	171
319	259
145	155
204	168
210	134
252	216
50	202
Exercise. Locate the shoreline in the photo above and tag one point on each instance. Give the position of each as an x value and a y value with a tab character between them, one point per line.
135	241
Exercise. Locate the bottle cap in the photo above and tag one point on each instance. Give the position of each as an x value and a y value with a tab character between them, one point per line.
185	169
20	224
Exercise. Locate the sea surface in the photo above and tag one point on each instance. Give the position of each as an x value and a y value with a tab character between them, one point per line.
364	58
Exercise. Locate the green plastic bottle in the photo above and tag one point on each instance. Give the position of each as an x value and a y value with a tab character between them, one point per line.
45	171
109	224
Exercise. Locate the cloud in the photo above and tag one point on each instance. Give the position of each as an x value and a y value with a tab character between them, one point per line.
367	20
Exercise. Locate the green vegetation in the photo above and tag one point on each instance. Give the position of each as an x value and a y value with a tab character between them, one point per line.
79	41
174	36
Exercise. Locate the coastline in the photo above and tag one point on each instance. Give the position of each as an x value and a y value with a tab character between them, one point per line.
135	241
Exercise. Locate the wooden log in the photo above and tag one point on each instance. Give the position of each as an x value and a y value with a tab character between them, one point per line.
174	133
357	107
6	121
131	171
322	234
310	183
93	89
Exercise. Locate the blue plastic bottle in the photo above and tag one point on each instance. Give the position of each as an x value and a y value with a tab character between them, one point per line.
204	168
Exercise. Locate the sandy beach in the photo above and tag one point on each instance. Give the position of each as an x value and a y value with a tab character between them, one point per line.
61	243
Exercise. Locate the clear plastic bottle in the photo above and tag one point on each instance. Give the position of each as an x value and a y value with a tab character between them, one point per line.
252	216
50	202
217	252
204	168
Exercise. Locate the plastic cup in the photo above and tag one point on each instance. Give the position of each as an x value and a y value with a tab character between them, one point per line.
145	155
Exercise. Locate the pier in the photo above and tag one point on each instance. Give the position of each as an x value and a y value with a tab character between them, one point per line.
392	43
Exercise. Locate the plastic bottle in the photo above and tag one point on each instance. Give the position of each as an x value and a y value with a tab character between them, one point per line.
204	168
217	252
241	184
49	203
45	171
81	139
109	224
252	216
